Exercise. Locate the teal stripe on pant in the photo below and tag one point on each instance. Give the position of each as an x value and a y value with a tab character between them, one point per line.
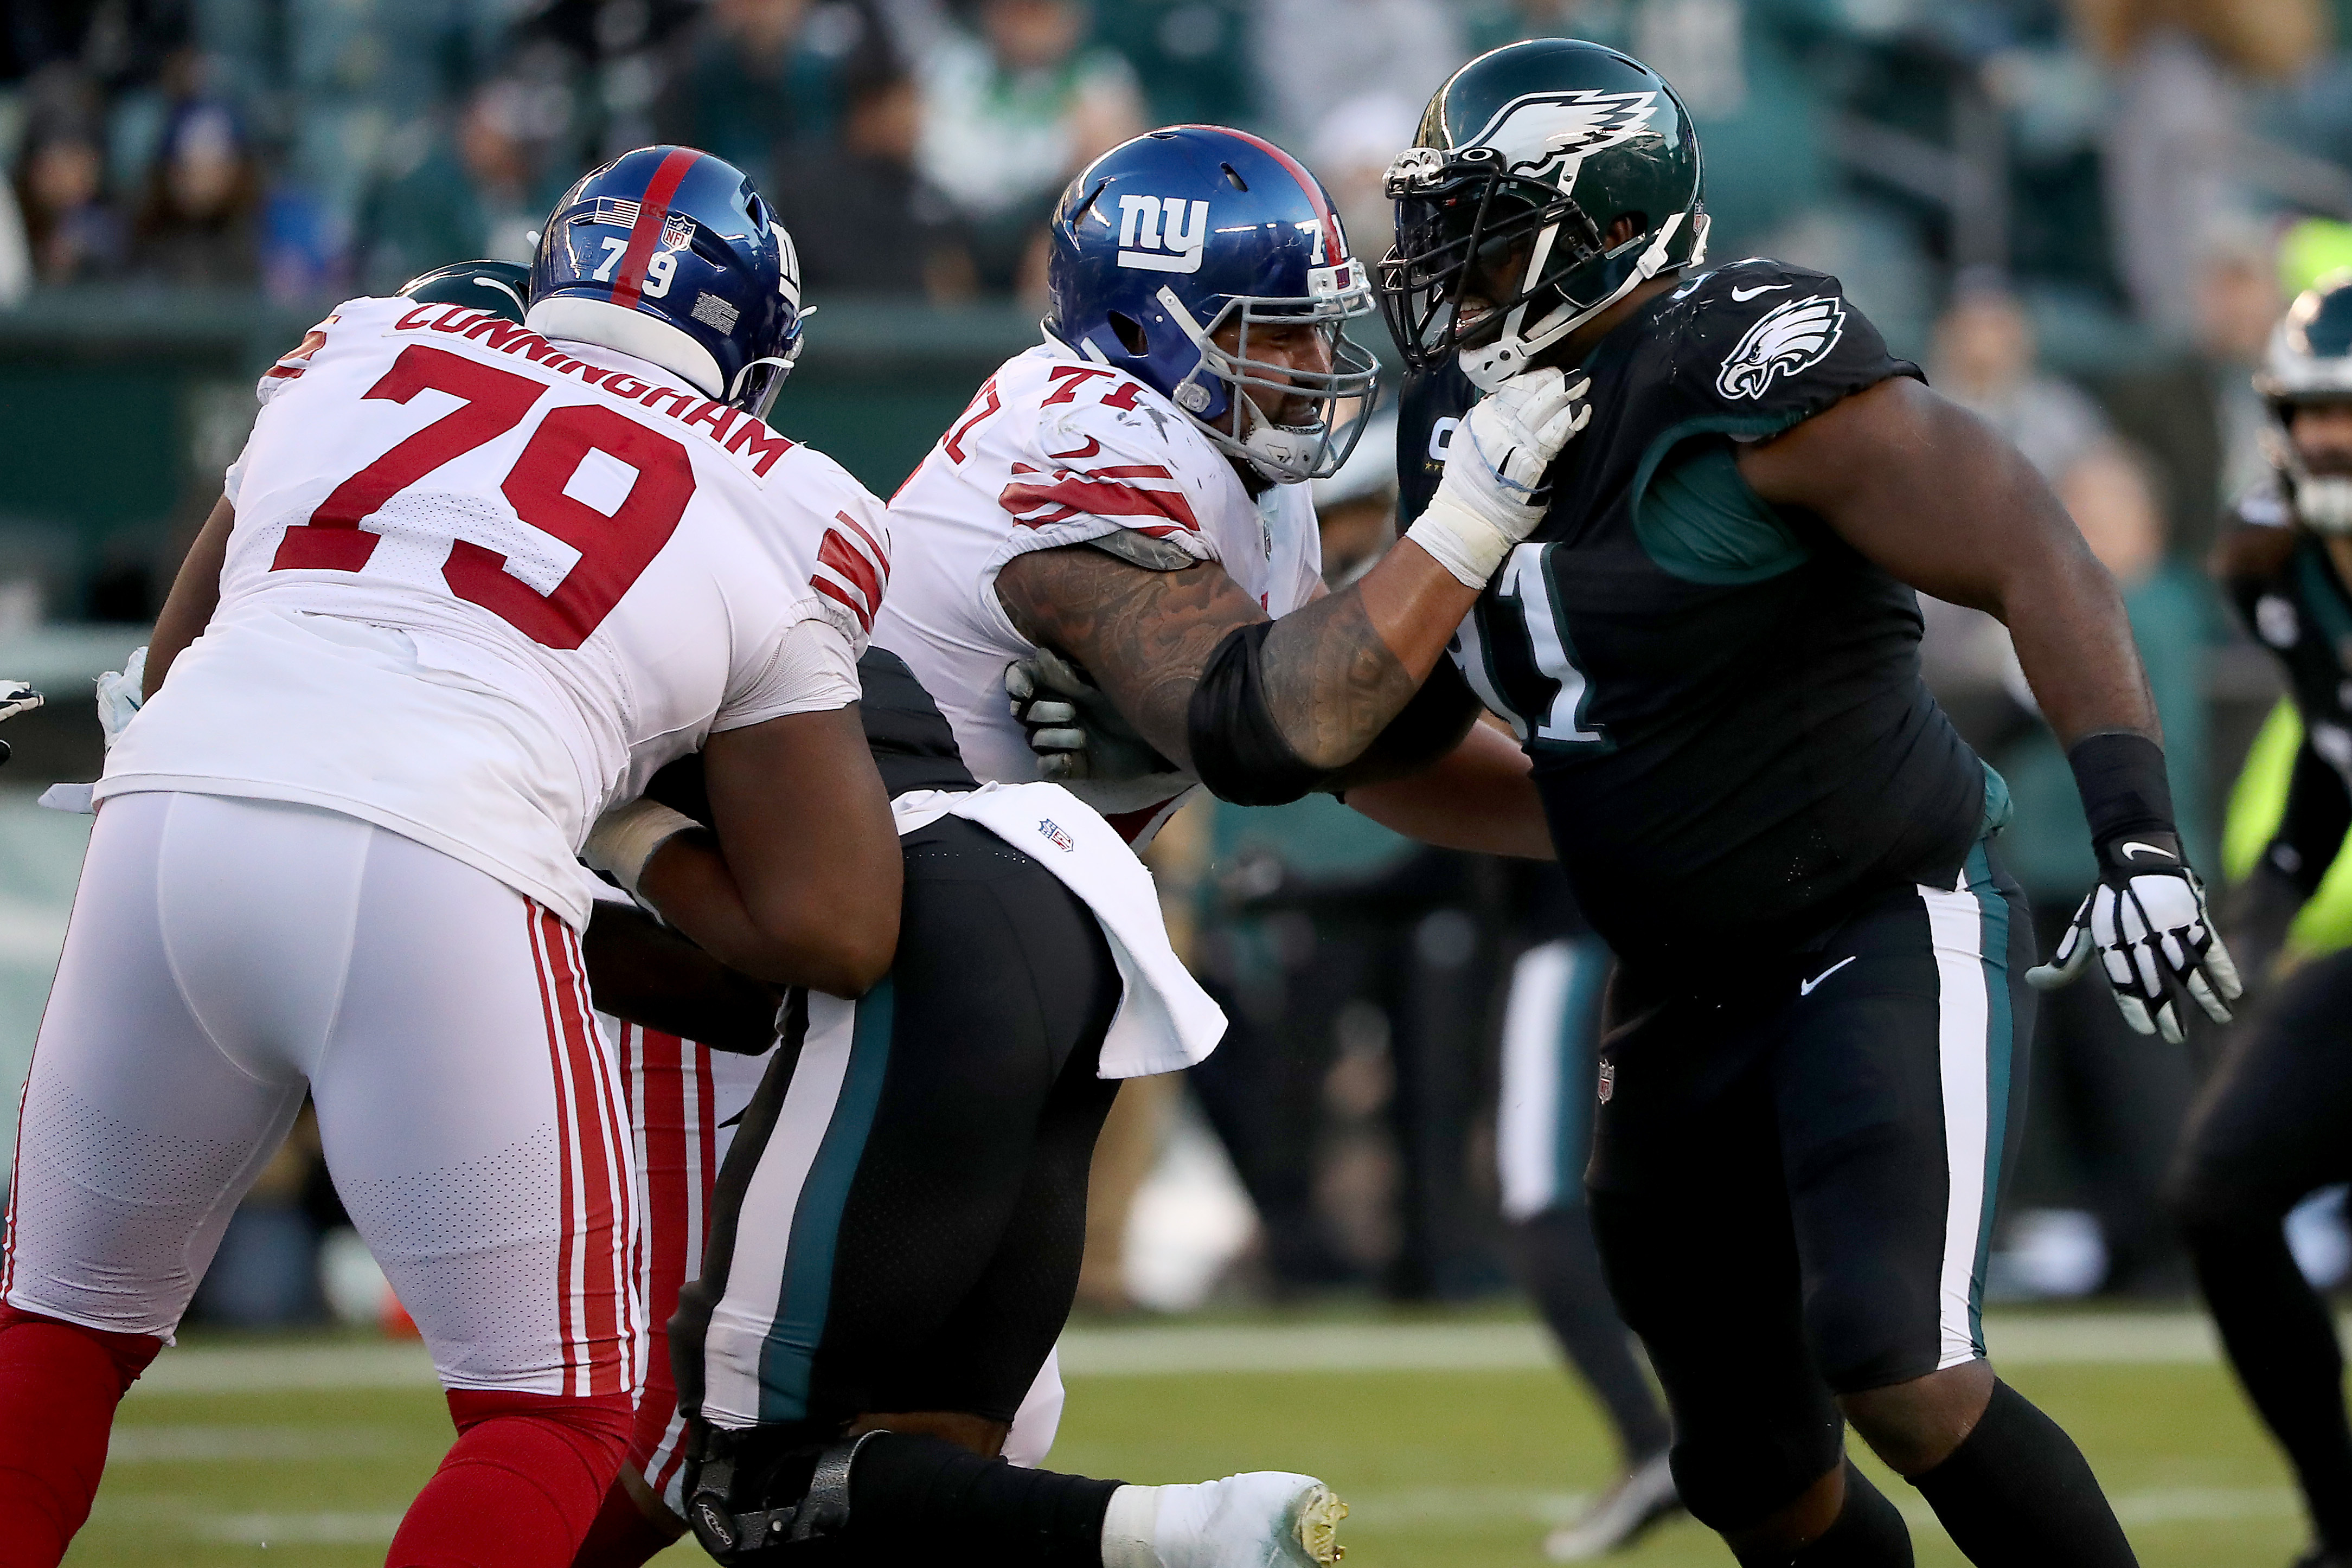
2000	1043
1580	1054
789	1353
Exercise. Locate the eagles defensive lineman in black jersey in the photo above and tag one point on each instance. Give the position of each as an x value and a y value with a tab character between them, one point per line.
1676	544
1704	628
2271	1125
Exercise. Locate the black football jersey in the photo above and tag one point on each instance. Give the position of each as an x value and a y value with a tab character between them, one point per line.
1721	697
913	746
2296	605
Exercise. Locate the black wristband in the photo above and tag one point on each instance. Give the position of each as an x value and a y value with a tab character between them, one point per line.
2124	789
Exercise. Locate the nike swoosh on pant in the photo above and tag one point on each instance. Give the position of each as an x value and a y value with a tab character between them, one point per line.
1805	987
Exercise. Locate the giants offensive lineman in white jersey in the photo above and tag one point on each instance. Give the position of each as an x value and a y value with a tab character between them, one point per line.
470	586
1193	374
1124	498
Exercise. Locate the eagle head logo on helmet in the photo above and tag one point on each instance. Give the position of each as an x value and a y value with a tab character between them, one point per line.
1548	179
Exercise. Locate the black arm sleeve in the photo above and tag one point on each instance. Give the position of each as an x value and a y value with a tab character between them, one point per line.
1432	724
641	970
1238	750
2318	813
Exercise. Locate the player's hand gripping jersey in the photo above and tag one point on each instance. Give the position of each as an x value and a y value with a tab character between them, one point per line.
1727	687
482	585
1053	451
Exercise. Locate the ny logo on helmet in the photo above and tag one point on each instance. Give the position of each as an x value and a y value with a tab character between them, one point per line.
1142	220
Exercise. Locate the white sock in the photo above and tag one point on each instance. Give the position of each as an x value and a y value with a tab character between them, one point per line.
1129	1526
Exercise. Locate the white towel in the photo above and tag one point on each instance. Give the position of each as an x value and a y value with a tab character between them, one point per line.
1165	1020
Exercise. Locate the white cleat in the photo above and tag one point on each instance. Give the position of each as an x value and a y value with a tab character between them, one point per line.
1261	1519
1642	1496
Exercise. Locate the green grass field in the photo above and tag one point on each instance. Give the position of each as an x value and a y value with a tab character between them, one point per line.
1443	1468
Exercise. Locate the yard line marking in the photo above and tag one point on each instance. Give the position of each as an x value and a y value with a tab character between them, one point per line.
342	1529
2016	1339
138	1444
1448	1506
241	1369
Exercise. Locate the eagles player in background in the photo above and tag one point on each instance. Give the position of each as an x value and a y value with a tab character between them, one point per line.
1708	646
2270	1127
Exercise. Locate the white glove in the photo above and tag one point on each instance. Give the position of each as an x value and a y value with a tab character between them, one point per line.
1492	495
1074	731
120	693
2154	936
1080	737
625	837
16	698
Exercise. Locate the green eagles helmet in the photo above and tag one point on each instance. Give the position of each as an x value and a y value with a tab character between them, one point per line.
2310	361
499	288
1527	155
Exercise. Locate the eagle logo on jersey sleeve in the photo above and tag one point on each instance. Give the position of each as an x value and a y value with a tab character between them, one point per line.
1783	342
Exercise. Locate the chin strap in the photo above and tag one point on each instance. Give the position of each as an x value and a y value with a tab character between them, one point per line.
2324	505
1490	366
733	1537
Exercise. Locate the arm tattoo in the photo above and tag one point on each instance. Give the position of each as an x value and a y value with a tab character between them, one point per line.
1145	636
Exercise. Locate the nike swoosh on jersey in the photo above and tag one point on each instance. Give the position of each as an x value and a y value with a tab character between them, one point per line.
2130	847
1742	296
1805	987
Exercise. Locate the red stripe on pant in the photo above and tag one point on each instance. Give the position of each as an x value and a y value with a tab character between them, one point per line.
673	1113
600	1208
567	1184
613	1258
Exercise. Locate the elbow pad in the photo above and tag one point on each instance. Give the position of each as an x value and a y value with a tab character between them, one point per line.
1431	723
1238	750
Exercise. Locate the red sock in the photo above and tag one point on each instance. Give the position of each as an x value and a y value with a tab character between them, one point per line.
623	1537
521	1486
59	1386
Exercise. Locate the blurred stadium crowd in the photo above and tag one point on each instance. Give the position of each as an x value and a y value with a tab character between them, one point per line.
2081	216
2090	147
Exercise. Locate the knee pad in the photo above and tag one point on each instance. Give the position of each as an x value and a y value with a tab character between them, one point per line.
759	1497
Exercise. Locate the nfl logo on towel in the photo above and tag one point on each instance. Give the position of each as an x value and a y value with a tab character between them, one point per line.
1054	835
677	232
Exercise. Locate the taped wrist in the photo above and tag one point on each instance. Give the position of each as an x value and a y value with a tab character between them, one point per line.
625	837
1238	750
1470	547
2124	789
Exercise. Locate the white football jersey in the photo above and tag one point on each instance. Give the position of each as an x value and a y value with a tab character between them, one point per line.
482	585
1057	450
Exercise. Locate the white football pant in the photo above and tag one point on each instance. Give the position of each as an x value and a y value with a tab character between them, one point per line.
228	956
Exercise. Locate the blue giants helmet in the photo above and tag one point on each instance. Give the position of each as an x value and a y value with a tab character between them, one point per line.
669	254
1164	241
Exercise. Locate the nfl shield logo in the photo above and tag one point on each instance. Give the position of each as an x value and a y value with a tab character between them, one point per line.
1607	1081
678	232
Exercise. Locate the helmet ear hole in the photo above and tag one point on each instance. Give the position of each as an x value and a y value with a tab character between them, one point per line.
1130	333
